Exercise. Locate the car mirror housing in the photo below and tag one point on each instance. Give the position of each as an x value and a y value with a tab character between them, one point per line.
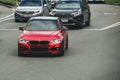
45	5
17	4
64	28
21	28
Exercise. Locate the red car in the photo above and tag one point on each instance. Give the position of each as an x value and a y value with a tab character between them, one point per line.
43	35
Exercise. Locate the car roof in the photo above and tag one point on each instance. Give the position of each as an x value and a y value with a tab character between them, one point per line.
44	18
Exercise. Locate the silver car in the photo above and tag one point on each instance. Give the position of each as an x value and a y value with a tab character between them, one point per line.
30	8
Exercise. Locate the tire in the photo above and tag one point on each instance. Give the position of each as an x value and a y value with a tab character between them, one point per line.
66	44
88	22
81	22
20	54
80	25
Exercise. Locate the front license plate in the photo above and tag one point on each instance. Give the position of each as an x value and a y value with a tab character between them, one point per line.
64	20
27	15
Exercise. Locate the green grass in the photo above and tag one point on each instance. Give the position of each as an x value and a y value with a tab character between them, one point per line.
12	2
112	1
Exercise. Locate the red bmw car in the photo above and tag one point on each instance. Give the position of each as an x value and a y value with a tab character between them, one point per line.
43	35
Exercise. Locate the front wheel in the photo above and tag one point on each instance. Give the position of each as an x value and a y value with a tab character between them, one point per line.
20	54
87	23
81	22
66	44
80	25
16	20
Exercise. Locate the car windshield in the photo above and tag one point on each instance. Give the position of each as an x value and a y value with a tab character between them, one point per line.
30	3
68	4
42	25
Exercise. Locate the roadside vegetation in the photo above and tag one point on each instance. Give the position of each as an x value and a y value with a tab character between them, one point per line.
10	2
13	2
112	1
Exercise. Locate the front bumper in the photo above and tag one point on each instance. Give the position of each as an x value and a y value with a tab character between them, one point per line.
70	20
25	16
39	49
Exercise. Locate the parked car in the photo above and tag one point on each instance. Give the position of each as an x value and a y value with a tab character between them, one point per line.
72	12
30	8
43	35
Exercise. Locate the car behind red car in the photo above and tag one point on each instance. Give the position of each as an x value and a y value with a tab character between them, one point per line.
43	35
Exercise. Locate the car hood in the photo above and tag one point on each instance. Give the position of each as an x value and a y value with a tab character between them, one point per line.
42	35
28	8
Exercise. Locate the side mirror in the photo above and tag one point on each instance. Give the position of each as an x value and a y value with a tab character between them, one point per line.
45	5
64	28
17	4
21	28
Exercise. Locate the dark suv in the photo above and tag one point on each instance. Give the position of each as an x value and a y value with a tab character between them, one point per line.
30	8
72	12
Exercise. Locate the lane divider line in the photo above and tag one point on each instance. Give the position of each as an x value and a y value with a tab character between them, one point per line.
111	26
6	19
105	28
7	16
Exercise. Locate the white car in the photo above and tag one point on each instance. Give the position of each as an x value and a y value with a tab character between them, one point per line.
31	8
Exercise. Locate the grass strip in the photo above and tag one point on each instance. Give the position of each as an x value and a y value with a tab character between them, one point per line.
10	2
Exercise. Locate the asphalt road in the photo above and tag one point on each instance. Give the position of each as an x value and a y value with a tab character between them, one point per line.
93	54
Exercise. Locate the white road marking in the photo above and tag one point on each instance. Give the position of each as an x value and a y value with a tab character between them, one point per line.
111	26
106	13
7	16
105	28
6	19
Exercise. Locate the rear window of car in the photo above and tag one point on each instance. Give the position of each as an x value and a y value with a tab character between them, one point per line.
43	25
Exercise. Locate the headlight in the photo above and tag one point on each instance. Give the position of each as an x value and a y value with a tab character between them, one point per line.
23	41
37	12
52	13
56	41
76	13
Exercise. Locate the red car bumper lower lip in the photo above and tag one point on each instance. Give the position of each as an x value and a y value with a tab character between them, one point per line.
27	49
